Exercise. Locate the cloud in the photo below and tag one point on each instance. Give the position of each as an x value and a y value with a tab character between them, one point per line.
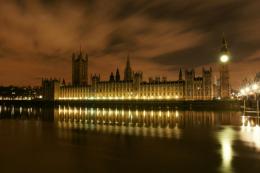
37	37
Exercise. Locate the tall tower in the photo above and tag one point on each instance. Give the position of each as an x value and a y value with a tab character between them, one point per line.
128	71
207	84
189	84
79	69
117	75
224	70
180	74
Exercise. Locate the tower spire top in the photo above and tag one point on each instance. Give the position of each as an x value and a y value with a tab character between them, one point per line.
128	70
128	60
224	47
80	48
180	74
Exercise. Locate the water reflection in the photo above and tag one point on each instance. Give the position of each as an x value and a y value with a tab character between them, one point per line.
120	121
249	134
147	118
250	131
155	123
226	138
222	129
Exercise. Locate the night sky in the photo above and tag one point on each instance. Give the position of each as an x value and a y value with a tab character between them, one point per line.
38	37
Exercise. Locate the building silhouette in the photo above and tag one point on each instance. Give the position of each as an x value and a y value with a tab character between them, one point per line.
128	70
79	69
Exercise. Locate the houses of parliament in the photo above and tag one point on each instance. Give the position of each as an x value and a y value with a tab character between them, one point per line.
131	85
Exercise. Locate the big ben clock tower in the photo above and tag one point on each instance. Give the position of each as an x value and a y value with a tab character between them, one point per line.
224	70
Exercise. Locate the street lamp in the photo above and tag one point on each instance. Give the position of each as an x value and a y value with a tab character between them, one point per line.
254	87
247	90
242	91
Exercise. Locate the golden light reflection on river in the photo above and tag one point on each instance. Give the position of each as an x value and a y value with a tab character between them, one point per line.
155	123
229	131
250	131
249	134
226	138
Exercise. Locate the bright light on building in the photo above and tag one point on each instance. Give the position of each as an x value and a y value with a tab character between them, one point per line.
247	89
242	91
254	87
224	58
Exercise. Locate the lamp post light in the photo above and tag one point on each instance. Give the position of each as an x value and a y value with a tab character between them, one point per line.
250	90
255	89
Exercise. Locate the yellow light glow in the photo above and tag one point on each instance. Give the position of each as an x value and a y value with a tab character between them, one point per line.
176	114
242	91
224	58
226	137
250	133
254	87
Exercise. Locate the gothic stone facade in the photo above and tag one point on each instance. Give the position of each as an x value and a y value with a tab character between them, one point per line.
133	87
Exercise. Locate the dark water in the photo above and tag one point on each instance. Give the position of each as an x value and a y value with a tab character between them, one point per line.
122	140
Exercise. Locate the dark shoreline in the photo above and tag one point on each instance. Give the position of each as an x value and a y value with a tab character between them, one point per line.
234	105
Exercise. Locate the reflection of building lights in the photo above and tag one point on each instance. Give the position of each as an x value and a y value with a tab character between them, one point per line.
243	120
86	111
75	111
74	120
80	111
250	132
129	113
176	114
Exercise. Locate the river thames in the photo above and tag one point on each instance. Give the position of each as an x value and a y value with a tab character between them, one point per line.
81	139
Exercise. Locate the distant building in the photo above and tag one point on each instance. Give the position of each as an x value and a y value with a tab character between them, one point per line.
20	93
132	87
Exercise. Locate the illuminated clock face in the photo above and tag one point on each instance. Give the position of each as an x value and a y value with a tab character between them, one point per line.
224	58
